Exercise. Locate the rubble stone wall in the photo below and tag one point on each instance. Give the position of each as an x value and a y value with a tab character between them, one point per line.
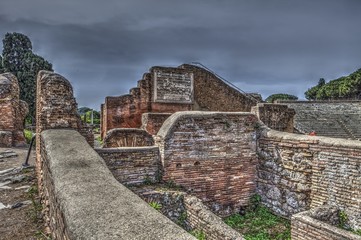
298	172
211	154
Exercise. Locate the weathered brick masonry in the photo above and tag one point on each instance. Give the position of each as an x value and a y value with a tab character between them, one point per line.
13	112
276	116
133	165
152	122
298	172
211	154
168	90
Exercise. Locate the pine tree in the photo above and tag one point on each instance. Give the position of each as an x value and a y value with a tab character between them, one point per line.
19	59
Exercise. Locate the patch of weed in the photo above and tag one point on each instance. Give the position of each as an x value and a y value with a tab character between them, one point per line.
199	234
157	206
259	223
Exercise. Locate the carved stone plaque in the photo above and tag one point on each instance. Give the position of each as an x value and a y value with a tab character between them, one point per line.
173	87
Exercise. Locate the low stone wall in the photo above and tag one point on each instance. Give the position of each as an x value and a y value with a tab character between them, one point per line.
201	218
84	200
212	155
152	122
304	226
298	172
127	137
134	165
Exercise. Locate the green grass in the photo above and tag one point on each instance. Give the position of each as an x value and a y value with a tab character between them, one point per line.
199	234
259	223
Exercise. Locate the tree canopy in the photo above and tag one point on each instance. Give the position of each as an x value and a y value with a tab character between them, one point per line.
347	87
280	96
19	59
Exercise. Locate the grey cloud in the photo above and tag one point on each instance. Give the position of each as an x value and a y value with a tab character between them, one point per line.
262	46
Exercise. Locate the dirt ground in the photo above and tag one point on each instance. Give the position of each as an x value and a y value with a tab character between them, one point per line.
20	211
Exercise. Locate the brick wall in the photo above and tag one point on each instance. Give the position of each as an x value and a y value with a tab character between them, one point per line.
152	122
127	137
209	93
211	154
133	165
276	116
13	112
297	172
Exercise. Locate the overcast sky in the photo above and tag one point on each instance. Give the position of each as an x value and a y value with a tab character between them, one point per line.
264	46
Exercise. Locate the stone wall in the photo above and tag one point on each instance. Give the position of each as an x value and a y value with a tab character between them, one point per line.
201	218
152	122
127	137
189	212
211	154
276	116
84	200
13	112
306	226
134	165
298	172
169	90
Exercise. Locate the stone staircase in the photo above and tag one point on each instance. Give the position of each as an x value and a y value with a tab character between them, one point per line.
330	119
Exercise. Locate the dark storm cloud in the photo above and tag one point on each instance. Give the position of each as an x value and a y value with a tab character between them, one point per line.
261	46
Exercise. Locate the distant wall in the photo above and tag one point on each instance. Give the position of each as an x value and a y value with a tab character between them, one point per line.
133	165
298	172
127	137
276	116
212	154
206	92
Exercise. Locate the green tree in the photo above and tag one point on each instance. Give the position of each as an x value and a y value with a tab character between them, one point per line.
1	65
347	87
280	96
19	59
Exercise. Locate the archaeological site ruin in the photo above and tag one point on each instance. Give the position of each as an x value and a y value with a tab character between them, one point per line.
211	146
13	112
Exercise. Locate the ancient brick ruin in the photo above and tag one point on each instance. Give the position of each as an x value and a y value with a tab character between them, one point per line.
169	90
13	112
220	158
